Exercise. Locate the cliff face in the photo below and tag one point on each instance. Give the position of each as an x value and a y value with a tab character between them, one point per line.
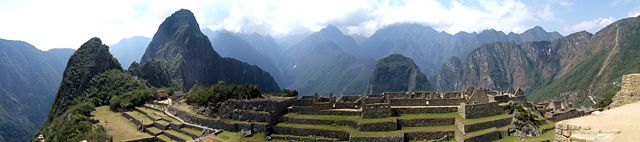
397	73
190	59
502	66
92	58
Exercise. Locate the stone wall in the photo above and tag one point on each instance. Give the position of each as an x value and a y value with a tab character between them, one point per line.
341	135
629	91
470	111
446	102
378	110
425	136
348	123
408	102
248	115
302	138
424	110
217	123
467	128
491	136
144	139
378	126
314	111
572	113
420	122
376	139
345	105
274	106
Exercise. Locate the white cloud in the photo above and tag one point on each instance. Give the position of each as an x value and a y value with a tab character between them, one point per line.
634	13
591	25
68	23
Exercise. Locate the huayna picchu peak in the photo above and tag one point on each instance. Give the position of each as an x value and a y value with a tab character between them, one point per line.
190	59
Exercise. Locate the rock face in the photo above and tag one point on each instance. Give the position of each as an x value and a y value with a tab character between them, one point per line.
629	92
501	66
91	59
190	59
397	73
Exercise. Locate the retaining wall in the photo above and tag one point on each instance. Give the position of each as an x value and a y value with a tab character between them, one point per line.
378	126
470	111
144	139
425	136
425	110
377	139
341	135
468	128
419	122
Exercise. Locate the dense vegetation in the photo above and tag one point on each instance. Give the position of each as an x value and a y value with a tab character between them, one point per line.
115	88
153	71
397	73
208	95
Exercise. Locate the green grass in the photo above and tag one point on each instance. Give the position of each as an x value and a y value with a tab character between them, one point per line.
355	132
119	127
178	134
162	122
157	114
166	138
550	136
484	119
236	137
154	130
141	117
191	130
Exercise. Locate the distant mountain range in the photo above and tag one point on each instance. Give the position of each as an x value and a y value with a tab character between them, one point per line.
28	81
129	50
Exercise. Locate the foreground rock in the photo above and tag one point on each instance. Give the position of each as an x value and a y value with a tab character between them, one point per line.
617	124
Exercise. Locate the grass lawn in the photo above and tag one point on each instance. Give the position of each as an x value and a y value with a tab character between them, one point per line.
119	127
191	130
355	132
546	136
178	134
236	137
140	116
166	138
155	113
484	119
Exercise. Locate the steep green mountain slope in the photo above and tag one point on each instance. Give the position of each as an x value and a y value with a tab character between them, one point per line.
396	73
613	52
28	81
190	59
91	59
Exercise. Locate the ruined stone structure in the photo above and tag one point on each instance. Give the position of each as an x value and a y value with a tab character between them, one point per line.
629	91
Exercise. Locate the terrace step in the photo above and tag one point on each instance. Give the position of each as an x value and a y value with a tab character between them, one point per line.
165	138
302	138
177	135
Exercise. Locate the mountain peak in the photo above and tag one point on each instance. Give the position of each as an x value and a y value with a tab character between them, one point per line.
536	29
331	29
397	73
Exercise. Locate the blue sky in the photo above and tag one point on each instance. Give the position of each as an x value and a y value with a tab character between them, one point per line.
69	23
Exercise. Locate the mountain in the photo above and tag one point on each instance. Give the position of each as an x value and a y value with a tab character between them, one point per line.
430	48
28	83
611	53
320	63
91	59
536	33
396	73
129	50
501	65
190	59
229	44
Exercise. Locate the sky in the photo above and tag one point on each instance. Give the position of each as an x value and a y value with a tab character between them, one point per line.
51	24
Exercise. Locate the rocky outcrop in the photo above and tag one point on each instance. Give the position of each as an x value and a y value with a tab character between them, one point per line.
190	59
397	73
